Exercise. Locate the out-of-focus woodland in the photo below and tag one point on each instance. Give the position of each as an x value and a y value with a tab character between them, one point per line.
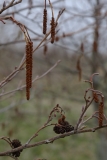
80	44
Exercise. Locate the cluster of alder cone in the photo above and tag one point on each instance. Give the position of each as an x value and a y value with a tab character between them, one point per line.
62	126
16	143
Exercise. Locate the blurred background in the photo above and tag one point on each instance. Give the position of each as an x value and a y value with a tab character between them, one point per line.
80	44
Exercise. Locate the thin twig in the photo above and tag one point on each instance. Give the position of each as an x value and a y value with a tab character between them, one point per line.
35	79
11	4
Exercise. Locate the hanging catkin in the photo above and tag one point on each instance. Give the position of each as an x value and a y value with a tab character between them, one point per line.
52	30
44	21
95	96
101	106
27	72
29	50
31	63
45	49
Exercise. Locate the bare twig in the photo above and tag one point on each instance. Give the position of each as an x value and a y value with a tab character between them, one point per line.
11	4
35	79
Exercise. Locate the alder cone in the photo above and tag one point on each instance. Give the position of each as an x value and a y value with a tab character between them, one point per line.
59	129
62	129
56	129
69	128
16	143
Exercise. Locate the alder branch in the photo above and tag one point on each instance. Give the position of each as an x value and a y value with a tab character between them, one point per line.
20	67
82	114
51	140
11	4
35	79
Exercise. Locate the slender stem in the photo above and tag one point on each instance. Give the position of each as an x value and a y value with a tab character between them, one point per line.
83	112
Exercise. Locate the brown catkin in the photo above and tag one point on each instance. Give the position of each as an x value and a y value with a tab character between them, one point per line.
95	46
45	49
78	66
95	96
101	106
82	47
29	50
52	30
44	21
31	62
27	72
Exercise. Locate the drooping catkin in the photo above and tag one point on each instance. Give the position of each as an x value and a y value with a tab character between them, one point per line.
95	96
82	47
29	50
45	49
44	21
31	62
101	106
52	30
78	66
27	71
95	46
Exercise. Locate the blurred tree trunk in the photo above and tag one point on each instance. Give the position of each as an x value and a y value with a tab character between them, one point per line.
102	144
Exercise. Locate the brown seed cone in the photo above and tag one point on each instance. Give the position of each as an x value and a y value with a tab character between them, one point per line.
62	129
16	143
44	21
101	106
63	126
56	129
69	128
52	30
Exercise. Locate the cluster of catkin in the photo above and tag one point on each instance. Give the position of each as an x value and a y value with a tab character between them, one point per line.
45	24
29	51
29	62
